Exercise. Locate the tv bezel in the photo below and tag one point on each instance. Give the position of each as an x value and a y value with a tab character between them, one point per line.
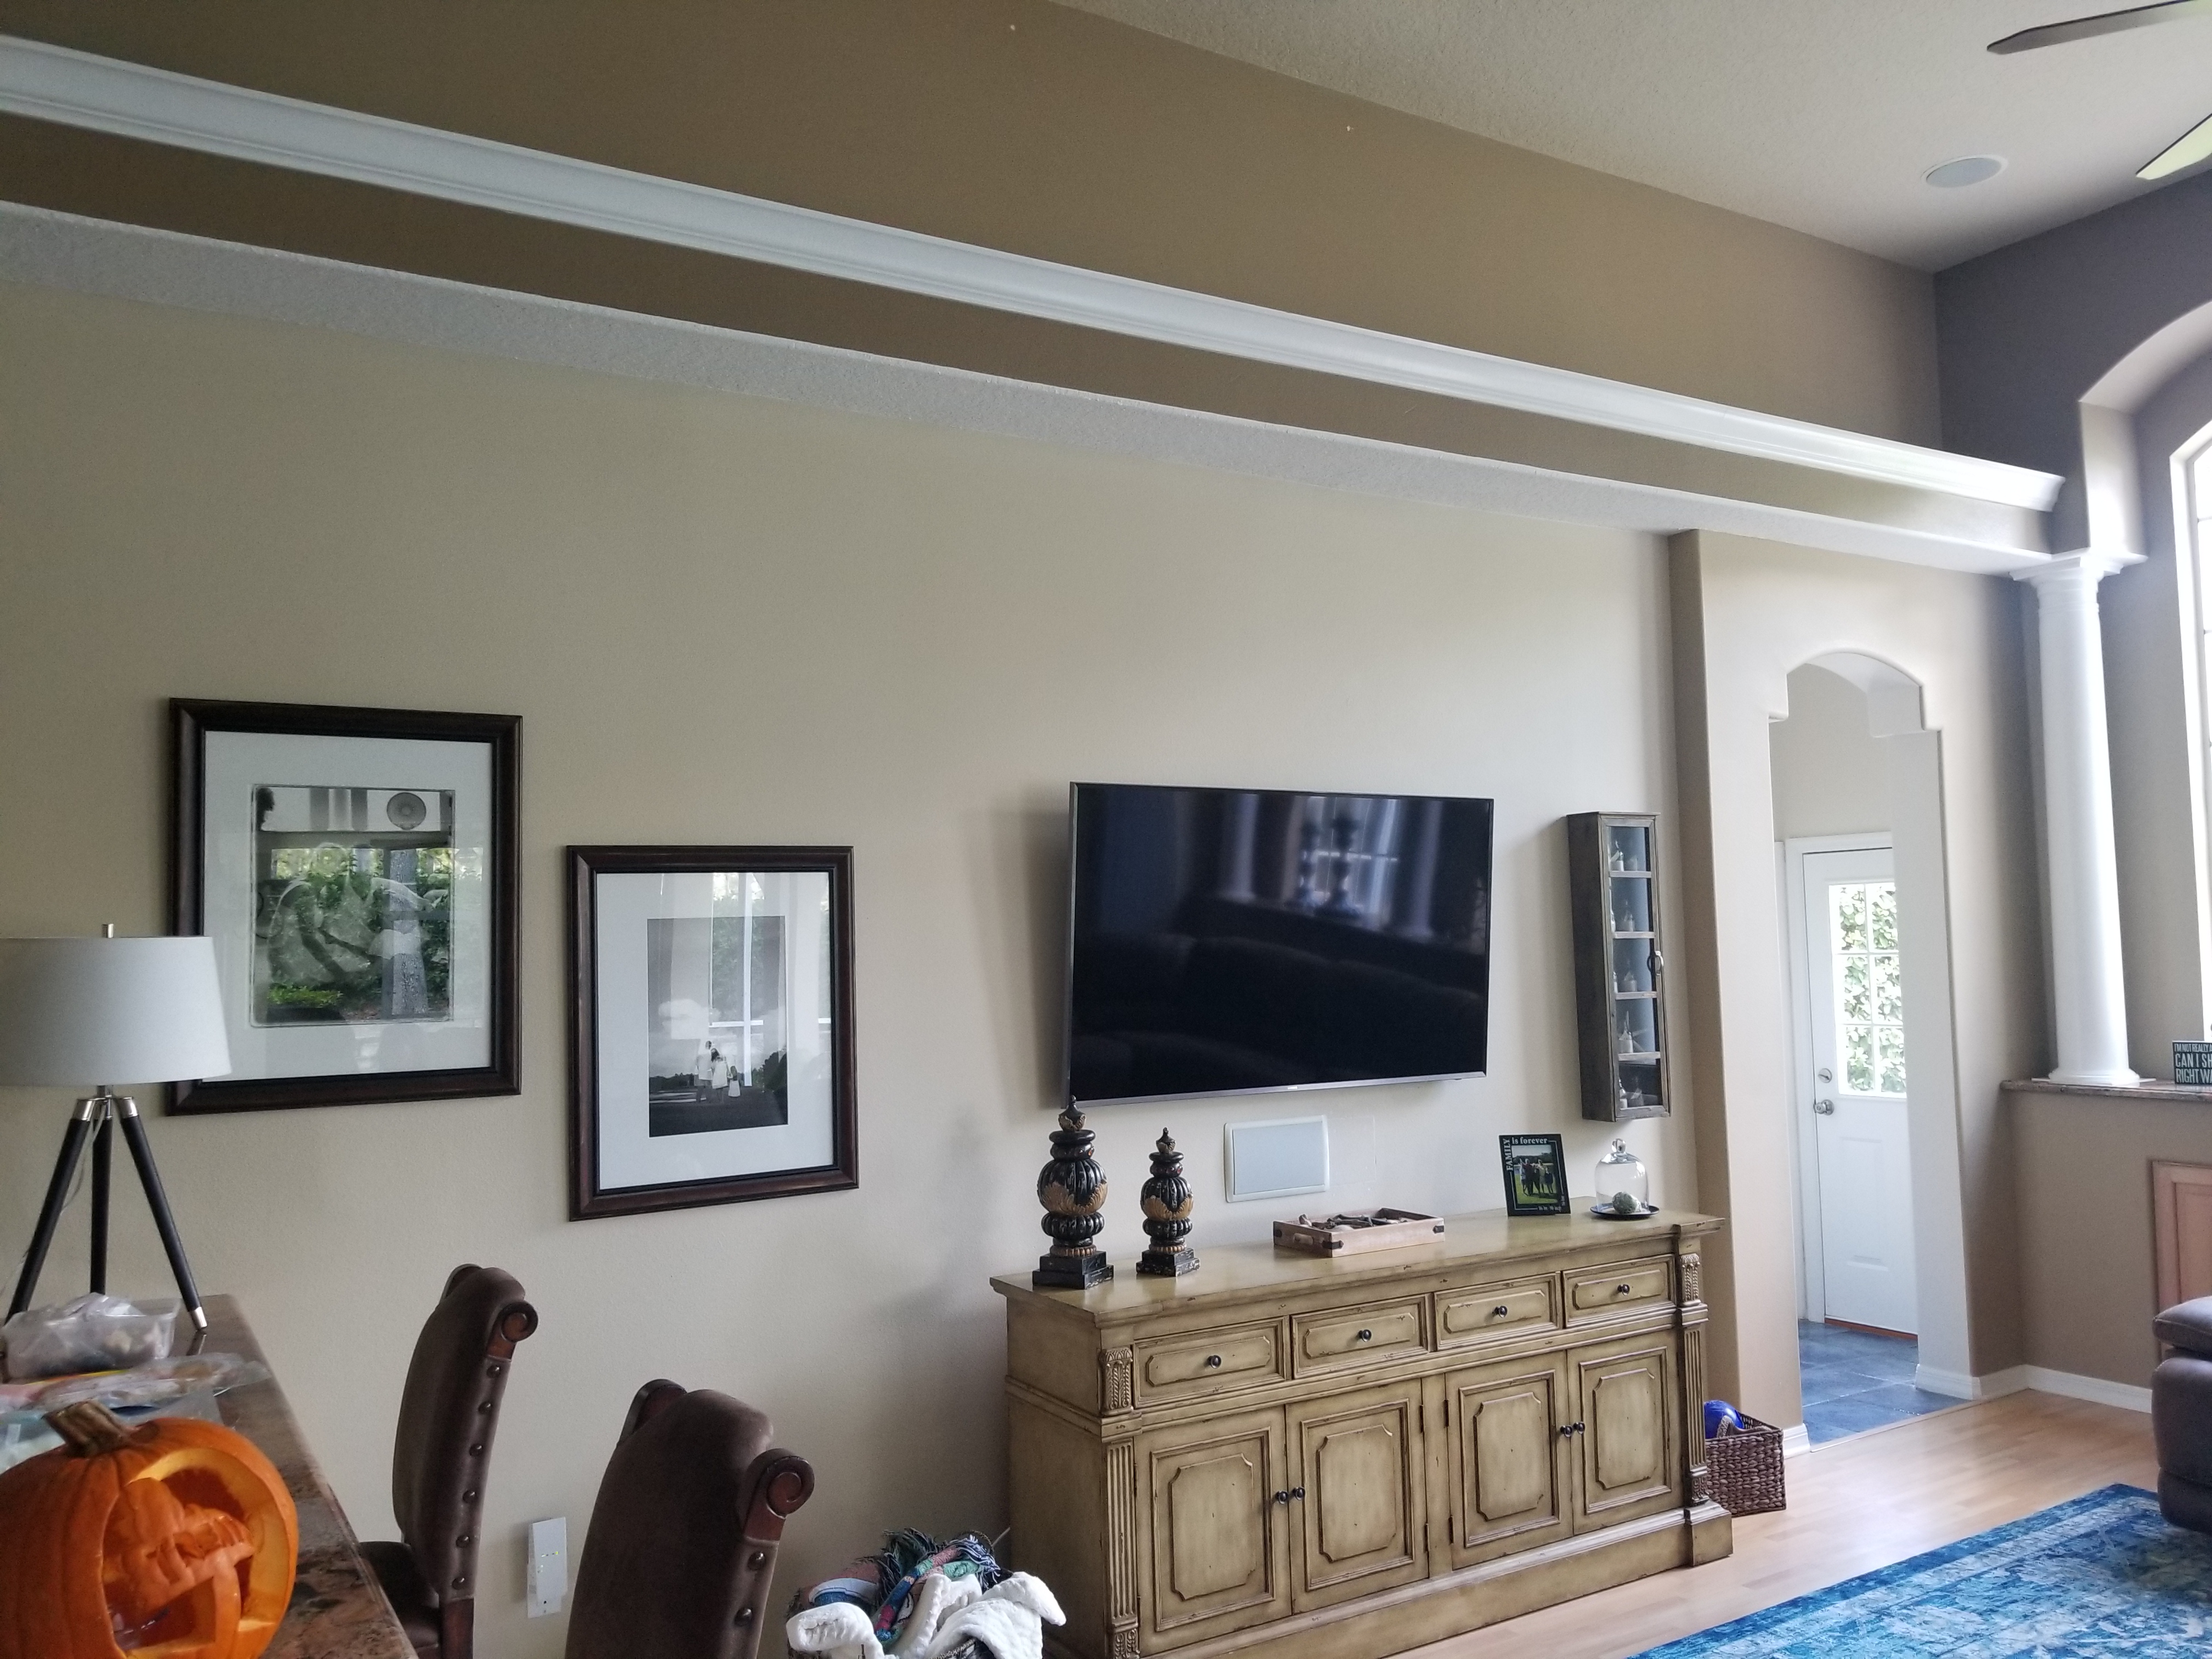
1067	985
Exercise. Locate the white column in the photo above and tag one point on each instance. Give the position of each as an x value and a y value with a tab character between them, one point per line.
2086	986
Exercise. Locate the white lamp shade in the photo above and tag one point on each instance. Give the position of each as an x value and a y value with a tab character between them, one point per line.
85	1012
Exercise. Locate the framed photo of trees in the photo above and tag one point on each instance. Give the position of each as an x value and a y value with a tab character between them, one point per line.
356	870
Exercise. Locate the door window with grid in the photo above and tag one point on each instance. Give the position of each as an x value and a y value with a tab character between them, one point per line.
1869	989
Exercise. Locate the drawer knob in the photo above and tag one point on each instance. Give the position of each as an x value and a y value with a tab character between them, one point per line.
1213	1362
1624	1289
1364	1336
1500	1311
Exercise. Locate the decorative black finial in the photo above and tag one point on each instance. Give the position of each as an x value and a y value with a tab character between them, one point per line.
1167	1215
1073	1189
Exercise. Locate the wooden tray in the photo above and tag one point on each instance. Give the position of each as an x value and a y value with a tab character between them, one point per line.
1357	1230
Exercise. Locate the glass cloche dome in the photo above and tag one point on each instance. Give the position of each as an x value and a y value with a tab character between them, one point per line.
1623	1185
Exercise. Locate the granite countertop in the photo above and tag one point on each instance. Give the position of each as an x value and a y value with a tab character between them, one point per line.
339	1610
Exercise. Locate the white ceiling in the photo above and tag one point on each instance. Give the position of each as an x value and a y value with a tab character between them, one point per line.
1817	114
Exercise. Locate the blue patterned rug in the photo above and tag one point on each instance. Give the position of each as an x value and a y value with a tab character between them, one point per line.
2103	1575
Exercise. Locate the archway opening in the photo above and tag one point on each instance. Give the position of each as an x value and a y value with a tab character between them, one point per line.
1872	1097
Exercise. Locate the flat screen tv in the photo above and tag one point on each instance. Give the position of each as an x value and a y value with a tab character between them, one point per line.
1228	941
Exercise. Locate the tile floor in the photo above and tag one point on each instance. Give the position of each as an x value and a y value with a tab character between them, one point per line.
1854	1380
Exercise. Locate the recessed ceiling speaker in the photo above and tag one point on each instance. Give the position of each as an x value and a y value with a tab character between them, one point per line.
1966	170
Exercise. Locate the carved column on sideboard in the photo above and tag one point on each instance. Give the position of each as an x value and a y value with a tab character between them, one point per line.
1121	1548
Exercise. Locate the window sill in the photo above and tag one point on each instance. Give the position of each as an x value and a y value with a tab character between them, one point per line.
2148	1089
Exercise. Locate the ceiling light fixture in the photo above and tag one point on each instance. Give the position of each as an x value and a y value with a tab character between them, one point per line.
1966	170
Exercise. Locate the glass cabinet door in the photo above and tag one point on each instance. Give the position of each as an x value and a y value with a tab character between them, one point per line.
1619	966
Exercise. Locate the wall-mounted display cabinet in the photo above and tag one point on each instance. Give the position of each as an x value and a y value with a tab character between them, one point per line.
1620	996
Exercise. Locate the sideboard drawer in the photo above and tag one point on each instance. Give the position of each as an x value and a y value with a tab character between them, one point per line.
1359	1336
1488	1312
1178	1367
1601	1292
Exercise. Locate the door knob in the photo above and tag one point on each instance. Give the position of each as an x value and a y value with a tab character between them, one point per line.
1825	1107
1282	1498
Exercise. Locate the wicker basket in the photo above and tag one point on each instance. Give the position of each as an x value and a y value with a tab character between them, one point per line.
1743	1468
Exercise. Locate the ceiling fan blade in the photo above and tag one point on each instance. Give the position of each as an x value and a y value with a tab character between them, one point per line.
2109	22
2186	151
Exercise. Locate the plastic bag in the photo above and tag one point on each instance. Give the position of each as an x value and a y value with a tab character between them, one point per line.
93	1332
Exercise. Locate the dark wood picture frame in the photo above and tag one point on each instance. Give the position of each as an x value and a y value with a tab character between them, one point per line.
1554	1148
190	720
588	1199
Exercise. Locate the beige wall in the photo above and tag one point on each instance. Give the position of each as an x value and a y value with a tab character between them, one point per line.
2089	1279
1018	124
734	621
1830	777
1746	613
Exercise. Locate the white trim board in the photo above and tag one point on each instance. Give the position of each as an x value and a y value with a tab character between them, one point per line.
2068	1384
133	101
44	248
1797	1441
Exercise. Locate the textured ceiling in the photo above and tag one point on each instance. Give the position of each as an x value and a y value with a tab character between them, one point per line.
1817	114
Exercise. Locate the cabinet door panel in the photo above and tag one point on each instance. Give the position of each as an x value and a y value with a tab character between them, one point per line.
1509	1463
1360	1521
1218	1546
1629	1452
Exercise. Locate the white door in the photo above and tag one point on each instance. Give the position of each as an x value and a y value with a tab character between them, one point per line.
1857	1094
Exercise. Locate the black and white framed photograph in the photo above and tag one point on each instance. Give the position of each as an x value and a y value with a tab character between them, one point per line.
1536	1174
711	1026
356	870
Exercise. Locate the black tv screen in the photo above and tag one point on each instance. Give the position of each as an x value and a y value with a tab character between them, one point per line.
1224	941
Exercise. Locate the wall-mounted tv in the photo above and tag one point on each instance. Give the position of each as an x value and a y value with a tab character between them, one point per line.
1228	941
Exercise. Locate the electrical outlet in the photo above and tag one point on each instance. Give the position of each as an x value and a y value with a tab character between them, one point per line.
546	1584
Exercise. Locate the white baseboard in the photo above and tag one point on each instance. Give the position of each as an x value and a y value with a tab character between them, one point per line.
1995	1385
1955	1385
2123	1394
1796	1443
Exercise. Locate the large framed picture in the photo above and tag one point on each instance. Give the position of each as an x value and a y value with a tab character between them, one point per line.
356	869
711	1026
1536	1174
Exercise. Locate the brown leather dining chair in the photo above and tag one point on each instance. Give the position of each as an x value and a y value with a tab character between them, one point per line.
448	1412
685	1532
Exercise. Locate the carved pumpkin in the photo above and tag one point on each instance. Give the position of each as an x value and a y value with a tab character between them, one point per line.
176	1534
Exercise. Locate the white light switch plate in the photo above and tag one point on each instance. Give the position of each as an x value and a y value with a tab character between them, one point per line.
546	1584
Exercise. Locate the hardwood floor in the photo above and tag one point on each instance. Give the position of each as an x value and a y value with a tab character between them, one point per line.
1854	1505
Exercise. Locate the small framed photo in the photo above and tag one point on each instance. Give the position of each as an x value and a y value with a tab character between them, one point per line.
1536	1174
710	1025
356	870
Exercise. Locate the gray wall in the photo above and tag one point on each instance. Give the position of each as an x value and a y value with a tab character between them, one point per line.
2022	333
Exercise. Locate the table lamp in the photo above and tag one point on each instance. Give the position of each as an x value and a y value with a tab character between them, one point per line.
78	1010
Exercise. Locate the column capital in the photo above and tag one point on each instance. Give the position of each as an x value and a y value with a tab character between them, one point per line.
2096	563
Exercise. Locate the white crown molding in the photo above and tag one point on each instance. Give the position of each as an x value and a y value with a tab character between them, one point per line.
44	248
55	83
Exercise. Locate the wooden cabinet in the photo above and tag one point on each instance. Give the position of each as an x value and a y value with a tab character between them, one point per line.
1338	1458
1620	969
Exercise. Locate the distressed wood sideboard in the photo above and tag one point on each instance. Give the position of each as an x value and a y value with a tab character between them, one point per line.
1340	1459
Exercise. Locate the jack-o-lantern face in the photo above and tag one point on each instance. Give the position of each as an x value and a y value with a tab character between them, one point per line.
174	1538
